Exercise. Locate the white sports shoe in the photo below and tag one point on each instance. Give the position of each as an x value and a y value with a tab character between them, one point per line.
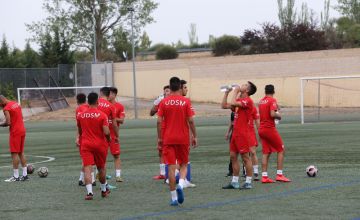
188	184
12	179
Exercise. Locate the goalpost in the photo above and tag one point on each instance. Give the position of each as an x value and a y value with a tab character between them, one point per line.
52	97
333	98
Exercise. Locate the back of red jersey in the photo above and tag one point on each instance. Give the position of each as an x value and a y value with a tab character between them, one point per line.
81	108
91	122
16	118
243	116
175	111
267	104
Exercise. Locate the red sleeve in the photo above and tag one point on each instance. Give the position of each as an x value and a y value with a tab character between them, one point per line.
255	113
189	109
121	110
105	121
6	108
113	112
160	111
273	105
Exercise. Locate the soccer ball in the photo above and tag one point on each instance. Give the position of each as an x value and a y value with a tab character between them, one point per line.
30	169
311	171
43	172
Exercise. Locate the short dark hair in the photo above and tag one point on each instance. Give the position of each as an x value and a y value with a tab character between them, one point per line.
105	91
175	84
252	89
166	87
81	98
92	98
183	82
269	89
114	90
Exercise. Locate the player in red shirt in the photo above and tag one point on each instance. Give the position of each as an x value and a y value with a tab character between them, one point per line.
175	110
270	138
93	127
241	137
115	145
14	119
153	111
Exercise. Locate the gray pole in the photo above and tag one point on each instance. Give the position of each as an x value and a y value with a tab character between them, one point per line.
94	27
131	10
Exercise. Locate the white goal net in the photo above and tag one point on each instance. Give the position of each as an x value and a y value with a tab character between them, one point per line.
330	99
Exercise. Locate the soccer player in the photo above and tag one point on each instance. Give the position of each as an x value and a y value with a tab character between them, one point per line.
115	144
153	111
14	119
240	141
175	110
270	138
93	126
109	109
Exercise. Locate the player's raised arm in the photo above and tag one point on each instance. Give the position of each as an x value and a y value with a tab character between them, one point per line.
224	103
234	103
7	121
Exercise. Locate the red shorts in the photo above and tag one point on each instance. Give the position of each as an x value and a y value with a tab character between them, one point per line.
91	156
240	144
173	153
114	146
252	139
16	143
270	140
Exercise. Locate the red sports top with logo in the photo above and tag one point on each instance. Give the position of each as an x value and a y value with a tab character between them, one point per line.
175	110
16	118
81	108
243	116
91	122
109	109
120	111
267	104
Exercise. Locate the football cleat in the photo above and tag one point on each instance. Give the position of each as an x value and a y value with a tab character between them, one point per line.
89	196
119	179
266	179
174	203
106	193
282	178
232	185
188	184
180	194
256	177
12	179
81	183
24	178
246	186
108	186
159	177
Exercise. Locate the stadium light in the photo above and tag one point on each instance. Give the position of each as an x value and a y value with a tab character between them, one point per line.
131	10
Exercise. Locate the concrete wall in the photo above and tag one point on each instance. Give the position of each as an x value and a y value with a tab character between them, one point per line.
206	74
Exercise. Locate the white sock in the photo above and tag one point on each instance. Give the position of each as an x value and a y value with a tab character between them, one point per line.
103	187
16	173
256	168
264	174
248	179
118	173
181	183
92	177
279	172
81	176
89	188
235	179
24	169
162	169
173	195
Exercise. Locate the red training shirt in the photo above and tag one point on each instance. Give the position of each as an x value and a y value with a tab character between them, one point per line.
267	104
243	116
175	111
16	118
254	116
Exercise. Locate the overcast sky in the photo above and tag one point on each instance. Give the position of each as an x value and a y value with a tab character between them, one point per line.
173	18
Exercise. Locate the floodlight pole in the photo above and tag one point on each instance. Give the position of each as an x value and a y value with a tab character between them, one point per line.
94	29
131	10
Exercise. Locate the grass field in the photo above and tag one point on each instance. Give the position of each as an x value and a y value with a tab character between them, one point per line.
333	147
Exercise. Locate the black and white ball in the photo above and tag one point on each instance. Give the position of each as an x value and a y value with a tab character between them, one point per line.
311	171
43	172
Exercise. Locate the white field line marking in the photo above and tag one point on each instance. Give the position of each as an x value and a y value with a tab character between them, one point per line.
48	159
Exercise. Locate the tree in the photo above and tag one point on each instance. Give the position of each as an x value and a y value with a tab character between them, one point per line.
324	16
348	31
286	14
77	19
145	42
122	44
193	38
350	9
31	58
166	52
4	53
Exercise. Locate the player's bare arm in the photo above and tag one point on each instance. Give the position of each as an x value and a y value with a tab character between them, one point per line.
115	127
106	131
257	123
153	110
275	114
159	121
194	141
234	103
120	120
224	103
230	128
7	122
